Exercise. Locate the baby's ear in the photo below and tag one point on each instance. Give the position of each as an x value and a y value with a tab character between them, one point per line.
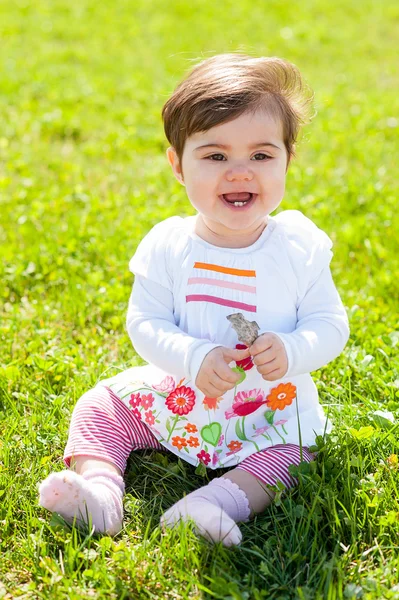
174	162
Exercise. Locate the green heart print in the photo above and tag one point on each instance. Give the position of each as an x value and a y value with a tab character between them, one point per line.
211	433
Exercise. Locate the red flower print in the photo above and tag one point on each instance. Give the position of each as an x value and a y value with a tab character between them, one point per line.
191	428
234	446
149	418
204	457
211	402
136	413
147	400
246	403
246	363
181	401
179	442
135	400
193	442
281	396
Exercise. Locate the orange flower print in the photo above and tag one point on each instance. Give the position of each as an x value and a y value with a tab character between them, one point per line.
234	446
211	403
281	396
193	442
181	401
191	428
178	442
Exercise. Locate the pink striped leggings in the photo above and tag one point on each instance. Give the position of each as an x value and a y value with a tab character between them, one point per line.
103	427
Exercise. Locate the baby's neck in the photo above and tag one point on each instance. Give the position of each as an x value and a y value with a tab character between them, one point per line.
235	239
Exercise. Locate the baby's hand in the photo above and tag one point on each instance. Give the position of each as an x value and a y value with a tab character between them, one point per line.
215	377
269	356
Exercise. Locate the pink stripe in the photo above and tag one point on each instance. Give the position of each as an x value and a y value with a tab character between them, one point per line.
272	464
103	427
221	301
224	284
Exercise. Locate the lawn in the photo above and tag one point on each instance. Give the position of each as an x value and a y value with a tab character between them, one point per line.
83	176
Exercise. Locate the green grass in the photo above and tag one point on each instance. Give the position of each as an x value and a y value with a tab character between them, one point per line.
83	176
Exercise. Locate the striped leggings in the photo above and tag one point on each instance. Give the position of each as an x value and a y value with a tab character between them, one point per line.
104	428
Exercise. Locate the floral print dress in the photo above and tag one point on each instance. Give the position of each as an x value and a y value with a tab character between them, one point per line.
209	283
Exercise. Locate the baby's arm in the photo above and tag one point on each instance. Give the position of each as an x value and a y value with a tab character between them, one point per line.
155	335
322	328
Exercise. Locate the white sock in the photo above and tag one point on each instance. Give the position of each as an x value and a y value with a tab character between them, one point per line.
98	493
215	509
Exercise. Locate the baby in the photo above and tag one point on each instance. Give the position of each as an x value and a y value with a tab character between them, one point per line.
250	407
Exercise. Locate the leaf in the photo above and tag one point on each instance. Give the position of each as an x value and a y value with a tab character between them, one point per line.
243	375
211	433
269	416
240	431
363	433
383	419
168	425
201	469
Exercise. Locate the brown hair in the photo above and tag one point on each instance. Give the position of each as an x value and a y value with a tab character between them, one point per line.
223	87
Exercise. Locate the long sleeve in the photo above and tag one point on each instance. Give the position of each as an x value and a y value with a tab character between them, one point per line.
155	335
322	328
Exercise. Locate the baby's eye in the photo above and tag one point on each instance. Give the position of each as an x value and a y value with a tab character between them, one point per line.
262	156
216	157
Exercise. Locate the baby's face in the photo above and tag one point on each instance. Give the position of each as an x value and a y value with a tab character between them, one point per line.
243	160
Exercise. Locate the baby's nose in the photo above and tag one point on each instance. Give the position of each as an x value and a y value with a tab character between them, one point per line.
239	174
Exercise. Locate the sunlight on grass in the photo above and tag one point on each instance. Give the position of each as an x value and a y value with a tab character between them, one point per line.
83	176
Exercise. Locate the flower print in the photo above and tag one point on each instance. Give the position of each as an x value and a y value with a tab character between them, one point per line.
191	428
281	396
178	442
221	439
215	458
166	386
135	400
136	413
193	442
234	446
149	418
281	422
147	400
246	403
261	430
211	402
204	457
181	401
246	363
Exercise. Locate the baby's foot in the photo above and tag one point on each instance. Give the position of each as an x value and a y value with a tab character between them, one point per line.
211	521
97	493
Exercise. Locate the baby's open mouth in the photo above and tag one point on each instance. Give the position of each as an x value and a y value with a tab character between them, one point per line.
238	198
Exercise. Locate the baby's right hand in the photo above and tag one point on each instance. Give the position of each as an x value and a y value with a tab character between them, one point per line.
215	377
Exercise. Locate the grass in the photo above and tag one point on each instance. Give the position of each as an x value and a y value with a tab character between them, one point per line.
83	176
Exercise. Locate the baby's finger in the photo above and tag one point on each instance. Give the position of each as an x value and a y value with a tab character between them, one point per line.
226	373
221	384
211	391
273	375
263	342
267	368
264	357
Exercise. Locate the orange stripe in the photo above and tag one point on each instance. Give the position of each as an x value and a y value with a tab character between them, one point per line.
209	267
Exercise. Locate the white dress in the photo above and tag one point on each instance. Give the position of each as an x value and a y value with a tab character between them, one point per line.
184	289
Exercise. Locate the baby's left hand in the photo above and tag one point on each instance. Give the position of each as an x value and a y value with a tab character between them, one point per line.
269	356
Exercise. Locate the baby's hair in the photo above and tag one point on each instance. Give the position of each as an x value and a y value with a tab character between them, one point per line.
225	86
